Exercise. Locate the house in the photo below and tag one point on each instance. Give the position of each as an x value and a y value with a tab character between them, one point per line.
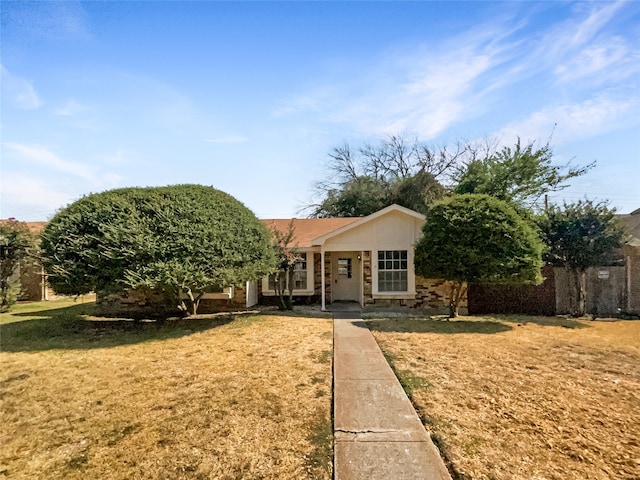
367	260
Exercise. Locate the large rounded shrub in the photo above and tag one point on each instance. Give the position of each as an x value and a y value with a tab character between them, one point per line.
476	238
177	238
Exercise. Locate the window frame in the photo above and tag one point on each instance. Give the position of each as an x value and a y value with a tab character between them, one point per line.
306	273
394	263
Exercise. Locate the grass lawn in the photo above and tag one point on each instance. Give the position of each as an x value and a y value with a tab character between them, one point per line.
228	398
524	397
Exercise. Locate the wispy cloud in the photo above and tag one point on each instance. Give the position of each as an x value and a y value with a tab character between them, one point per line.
24	155
18	91
23	192
610	61
424	91
37	155
571	122
429	90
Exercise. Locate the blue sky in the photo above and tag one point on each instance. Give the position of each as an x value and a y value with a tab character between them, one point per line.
250	97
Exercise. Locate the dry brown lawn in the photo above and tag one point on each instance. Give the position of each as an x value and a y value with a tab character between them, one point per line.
524	398
241	398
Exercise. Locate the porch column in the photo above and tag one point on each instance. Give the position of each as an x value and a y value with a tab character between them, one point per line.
322	279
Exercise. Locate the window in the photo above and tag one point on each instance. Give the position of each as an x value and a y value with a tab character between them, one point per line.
392	271
299	274
344	267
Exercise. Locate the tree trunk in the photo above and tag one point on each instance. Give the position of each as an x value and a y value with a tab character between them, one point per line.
290	284
457	291
194	300
280	289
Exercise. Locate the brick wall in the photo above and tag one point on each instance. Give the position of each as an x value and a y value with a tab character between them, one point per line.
136	303
433	294
327	277
146	303
367	281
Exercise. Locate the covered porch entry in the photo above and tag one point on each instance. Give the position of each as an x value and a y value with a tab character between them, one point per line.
342	273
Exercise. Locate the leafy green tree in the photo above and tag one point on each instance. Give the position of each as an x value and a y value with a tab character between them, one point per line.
578	236
286	258
17	248
522	174
476	238
179	239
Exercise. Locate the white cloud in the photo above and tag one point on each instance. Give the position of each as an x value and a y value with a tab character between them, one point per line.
41	156
24	194
575	121
18	91
595	21
428	90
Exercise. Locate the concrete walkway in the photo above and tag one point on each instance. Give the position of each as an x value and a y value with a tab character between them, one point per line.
378	434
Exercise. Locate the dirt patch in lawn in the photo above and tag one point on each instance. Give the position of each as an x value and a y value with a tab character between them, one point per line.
232	398
524	397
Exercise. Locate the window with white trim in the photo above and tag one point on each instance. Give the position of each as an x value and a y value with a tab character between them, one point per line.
392	271
299	274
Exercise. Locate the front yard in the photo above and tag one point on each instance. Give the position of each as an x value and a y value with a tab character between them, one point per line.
524	398
248	397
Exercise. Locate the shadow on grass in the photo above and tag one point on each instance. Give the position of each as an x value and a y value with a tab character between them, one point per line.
430	325
72	328
564	322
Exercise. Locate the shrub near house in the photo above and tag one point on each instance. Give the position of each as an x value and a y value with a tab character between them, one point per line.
476	238
175	241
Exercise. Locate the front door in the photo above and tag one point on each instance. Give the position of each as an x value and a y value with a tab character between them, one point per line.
345	274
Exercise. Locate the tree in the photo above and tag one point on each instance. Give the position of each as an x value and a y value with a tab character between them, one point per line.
286	258
17	248
522	174
179	239
478	239
578	236
367	179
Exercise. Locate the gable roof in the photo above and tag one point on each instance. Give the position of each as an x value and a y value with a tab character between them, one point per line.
307	229
632	222
359	221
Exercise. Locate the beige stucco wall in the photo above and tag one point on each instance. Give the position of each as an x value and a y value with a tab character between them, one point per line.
392	231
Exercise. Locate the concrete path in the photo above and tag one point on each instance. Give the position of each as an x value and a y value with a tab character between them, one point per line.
378	435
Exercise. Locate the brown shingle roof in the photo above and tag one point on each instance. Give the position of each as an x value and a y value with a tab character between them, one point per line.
307	229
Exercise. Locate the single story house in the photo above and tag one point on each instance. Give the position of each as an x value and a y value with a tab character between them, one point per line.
367	260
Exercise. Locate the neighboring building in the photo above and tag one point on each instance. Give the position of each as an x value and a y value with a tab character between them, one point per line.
631	252
368	260
33	281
